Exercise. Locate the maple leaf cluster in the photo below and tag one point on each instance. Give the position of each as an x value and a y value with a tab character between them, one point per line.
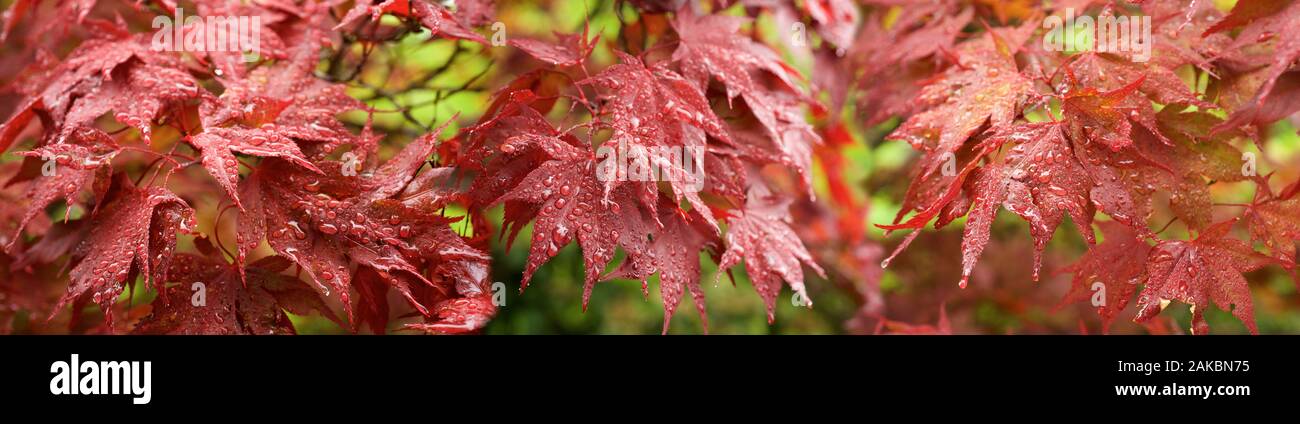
672	95
109	134
126	164
121	121
1004	121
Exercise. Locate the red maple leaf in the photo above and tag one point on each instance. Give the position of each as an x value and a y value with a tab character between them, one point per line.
77	163
257	305
760	234
710	45
135	231
567	202
436	18
1270	22
118	72
651	108
1199	272
569	50
286	100
1039	179
217	144
675	255
985	87
325	222
1275	222
1118	263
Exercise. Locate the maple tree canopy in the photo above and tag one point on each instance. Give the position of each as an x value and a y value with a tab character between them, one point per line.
367	165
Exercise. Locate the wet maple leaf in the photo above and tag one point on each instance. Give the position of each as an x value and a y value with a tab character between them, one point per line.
145	93
217	144
675	255
456	301
549	177
136	230
433	189
440	21
569	49
325	222
893	61
936	194
1275	222
482	149
372	301
273	211
19	8
268	113
1264	21
760	234
99	76
1126	181
1197	157
459	315
651	108
1043	177
1106	117
986	87
1159	83
256	305
1205	270
76	164
1039	179
270	46
710	45
286	100
792	148
1118	263
567	202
